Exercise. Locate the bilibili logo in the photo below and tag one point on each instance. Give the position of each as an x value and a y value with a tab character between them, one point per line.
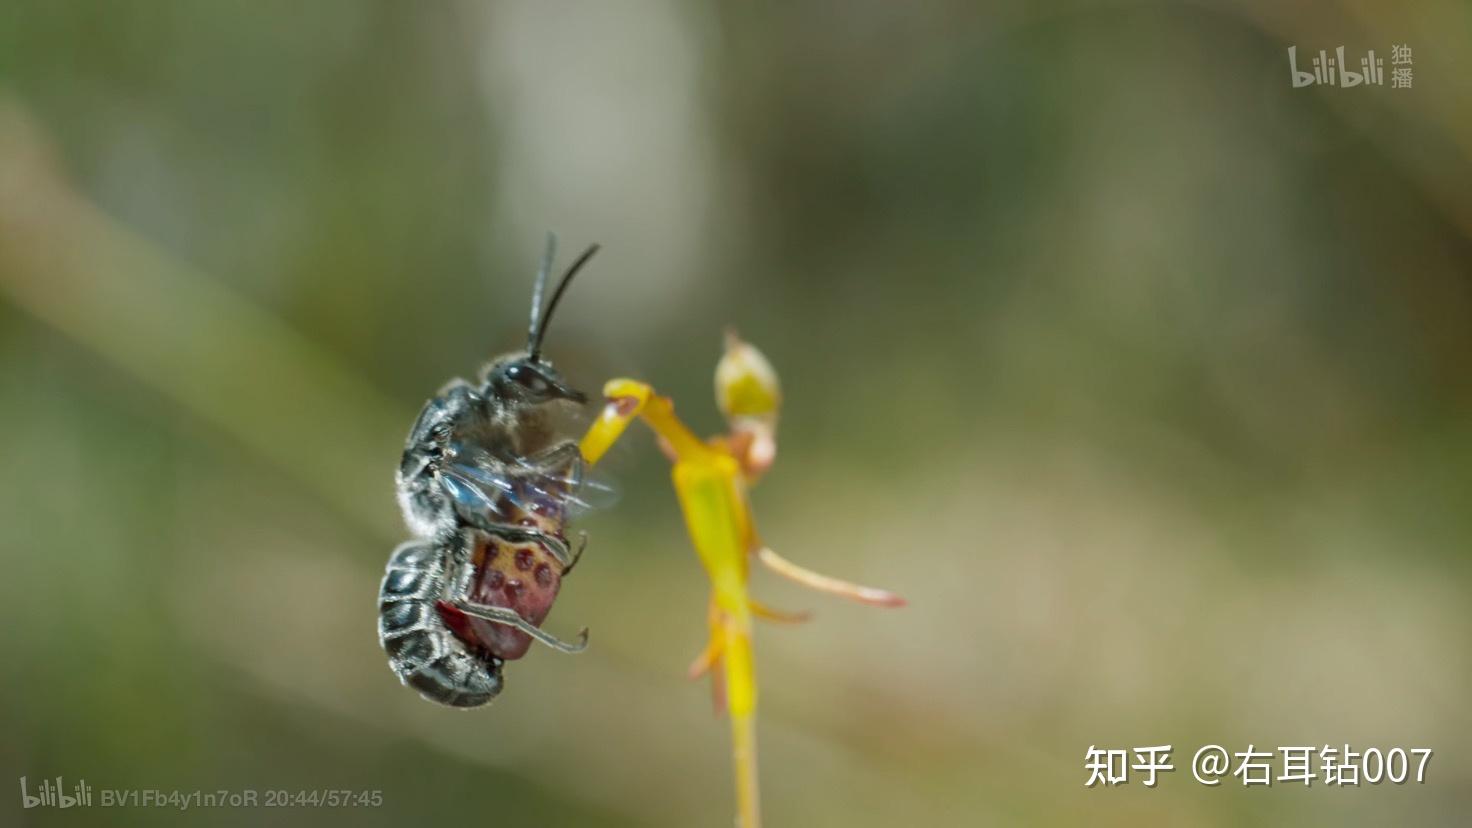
1334	69
53	792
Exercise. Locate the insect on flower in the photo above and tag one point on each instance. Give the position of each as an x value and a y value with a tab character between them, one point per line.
486	484
711	479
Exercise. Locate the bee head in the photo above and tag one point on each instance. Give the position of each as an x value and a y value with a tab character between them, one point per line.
525	376
527	379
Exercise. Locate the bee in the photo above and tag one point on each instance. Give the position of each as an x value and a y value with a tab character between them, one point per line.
486	484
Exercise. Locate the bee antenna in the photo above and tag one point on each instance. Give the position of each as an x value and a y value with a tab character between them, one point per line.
539	330
543	271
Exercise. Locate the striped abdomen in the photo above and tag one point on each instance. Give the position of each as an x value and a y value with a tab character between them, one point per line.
422	651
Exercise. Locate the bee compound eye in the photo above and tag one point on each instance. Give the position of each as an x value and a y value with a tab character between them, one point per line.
528	378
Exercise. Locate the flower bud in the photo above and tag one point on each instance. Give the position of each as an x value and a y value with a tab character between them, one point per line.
746	384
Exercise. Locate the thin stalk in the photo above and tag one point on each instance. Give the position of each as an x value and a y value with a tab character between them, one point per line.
741	687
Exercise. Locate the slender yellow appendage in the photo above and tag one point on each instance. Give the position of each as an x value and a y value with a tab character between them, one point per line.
710	481
714	647
707	658
621	410
743	727
766	613
824	583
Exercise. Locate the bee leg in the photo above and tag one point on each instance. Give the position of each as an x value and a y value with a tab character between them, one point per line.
577	554
501	615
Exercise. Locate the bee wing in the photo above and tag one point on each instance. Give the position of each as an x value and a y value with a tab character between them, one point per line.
582	491
570	483
478	489
480	482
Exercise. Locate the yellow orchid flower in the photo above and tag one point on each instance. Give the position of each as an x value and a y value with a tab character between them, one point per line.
711	479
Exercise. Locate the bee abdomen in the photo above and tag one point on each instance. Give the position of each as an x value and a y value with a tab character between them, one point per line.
422	652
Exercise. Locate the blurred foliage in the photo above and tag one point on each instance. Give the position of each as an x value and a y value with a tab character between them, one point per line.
1141	373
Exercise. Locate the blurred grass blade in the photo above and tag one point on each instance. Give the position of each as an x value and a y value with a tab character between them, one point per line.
223	358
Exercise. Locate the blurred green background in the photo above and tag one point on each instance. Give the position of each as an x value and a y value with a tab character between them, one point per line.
1144	375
